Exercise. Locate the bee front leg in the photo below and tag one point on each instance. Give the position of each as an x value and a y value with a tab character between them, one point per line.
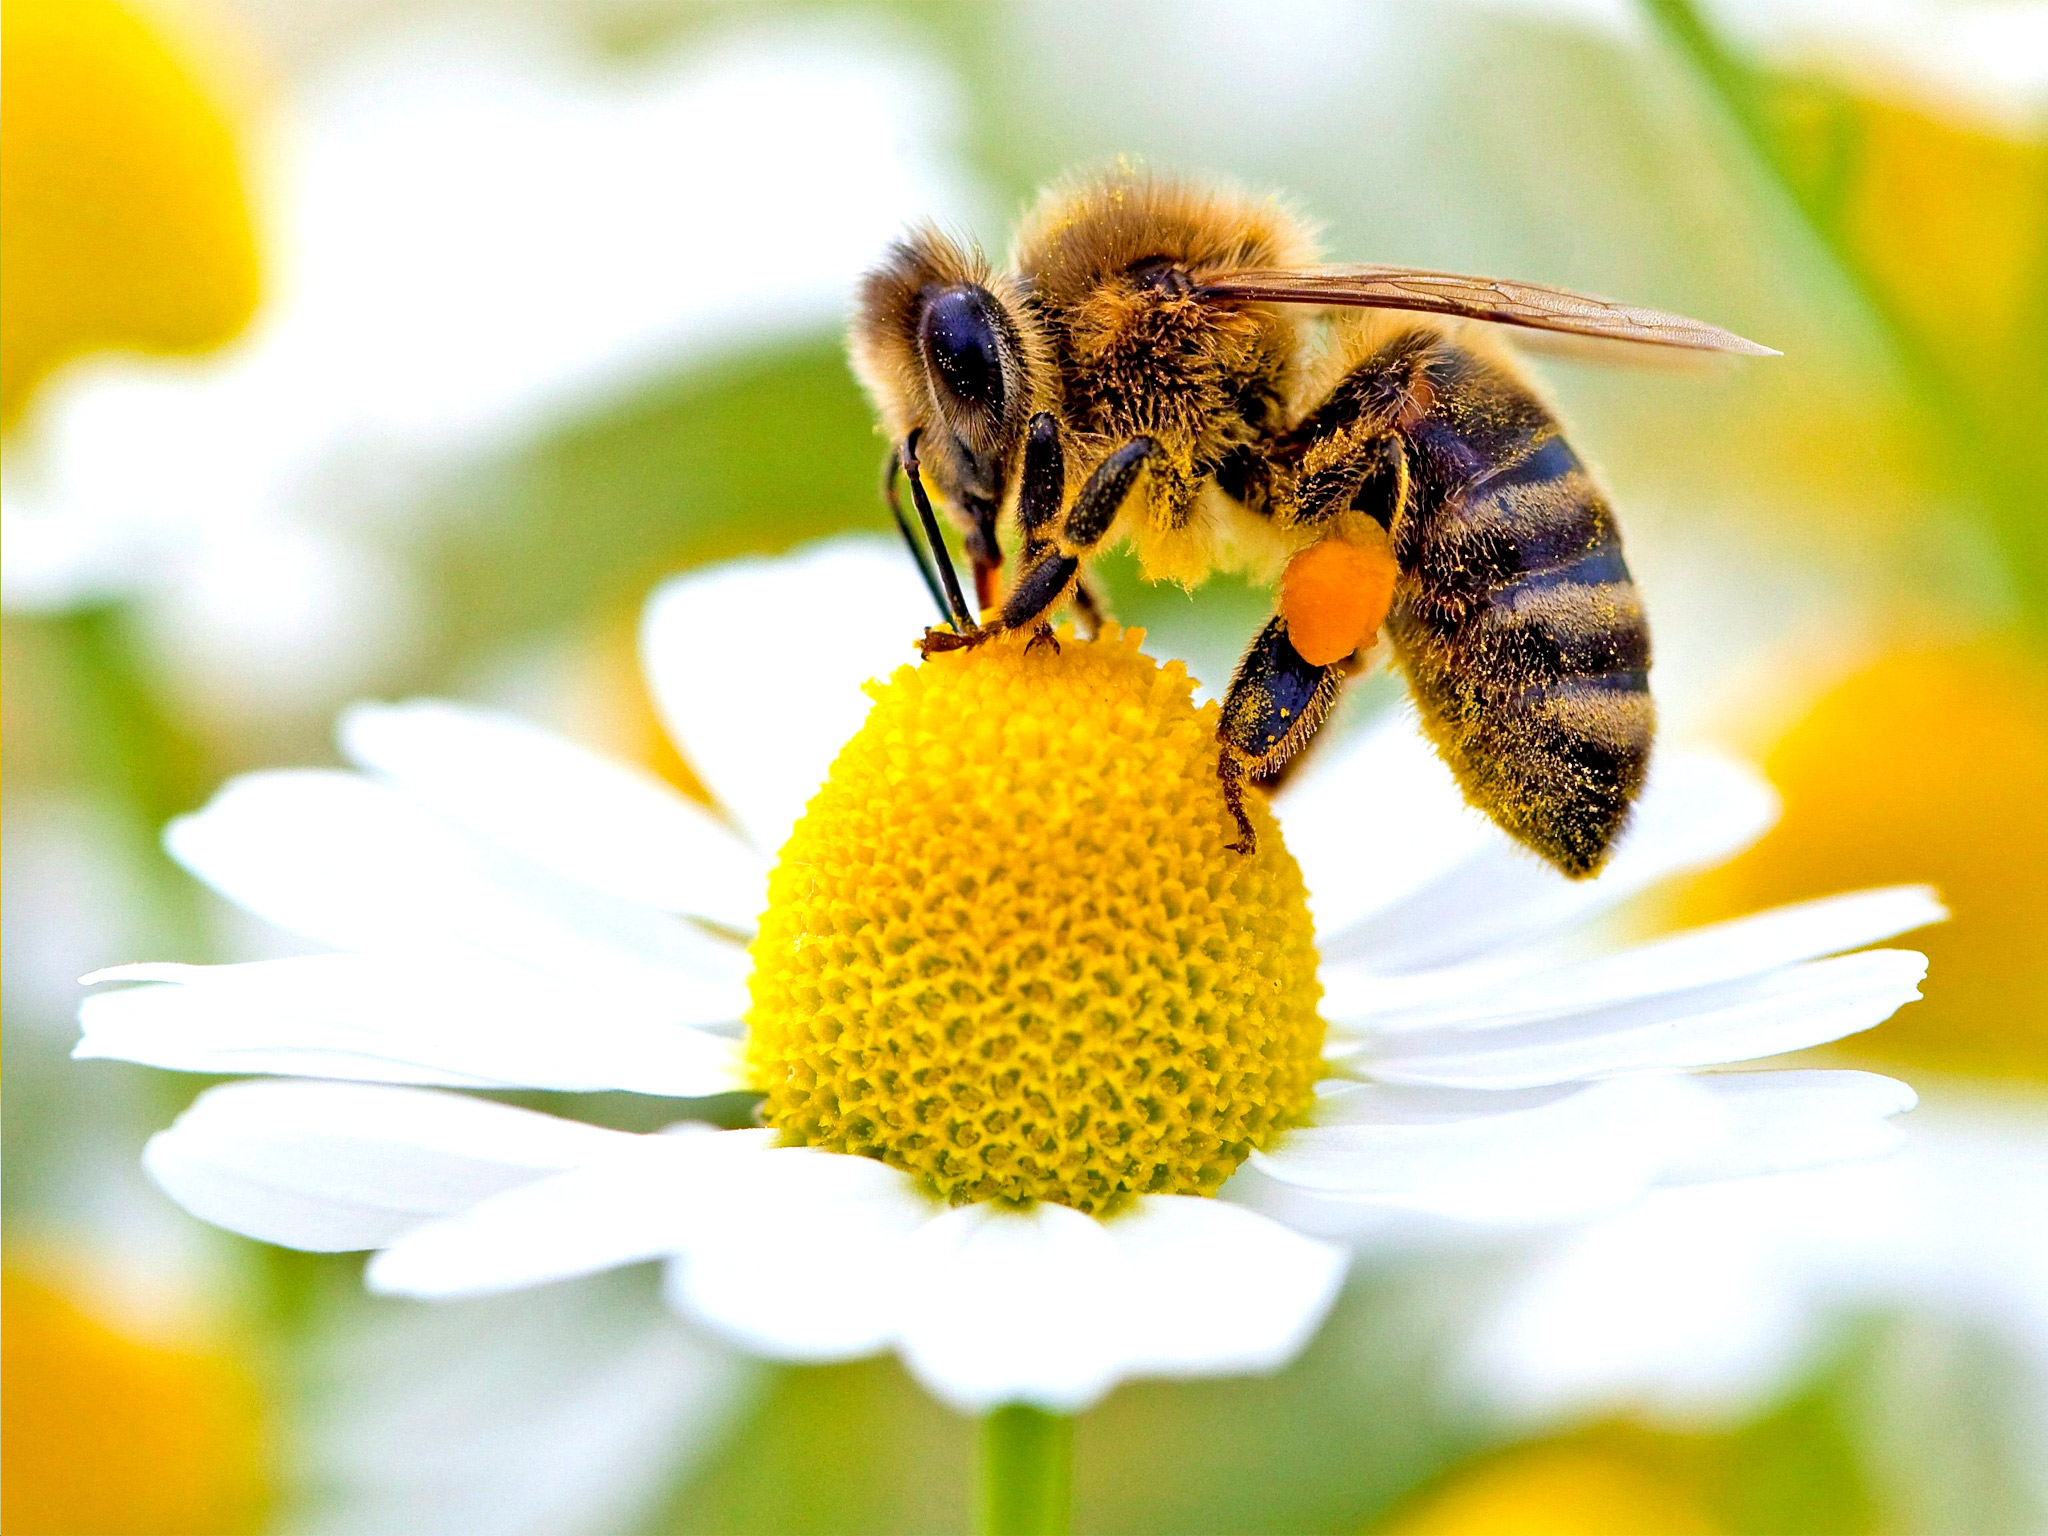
1275	703
1042	489
891	467
956	603
1046	580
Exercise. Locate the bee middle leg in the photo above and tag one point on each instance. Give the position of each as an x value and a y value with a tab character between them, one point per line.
1275	703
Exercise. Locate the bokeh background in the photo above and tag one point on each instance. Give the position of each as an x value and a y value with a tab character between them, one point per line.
361	347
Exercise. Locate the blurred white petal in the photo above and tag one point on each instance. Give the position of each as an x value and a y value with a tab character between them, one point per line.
478	227
570	1411
1669	1291
1706	1300
757	667
615	828
333	1167
568	220
395	1021
1781	1122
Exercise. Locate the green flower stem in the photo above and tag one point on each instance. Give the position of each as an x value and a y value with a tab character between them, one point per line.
126	745
2000	465
1027	1458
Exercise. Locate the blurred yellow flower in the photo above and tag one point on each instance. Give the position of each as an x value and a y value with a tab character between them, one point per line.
109	1434
1944	213
1557	1490
1933	763
124	211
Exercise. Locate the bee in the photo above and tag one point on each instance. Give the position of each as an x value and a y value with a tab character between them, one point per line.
1169	366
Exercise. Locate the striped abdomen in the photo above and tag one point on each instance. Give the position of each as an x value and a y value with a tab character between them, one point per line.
1520	629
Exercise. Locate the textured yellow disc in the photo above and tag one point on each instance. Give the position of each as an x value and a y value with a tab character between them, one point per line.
1008	951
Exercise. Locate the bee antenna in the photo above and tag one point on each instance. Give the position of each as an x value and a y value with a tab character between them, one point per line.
956	604
891	467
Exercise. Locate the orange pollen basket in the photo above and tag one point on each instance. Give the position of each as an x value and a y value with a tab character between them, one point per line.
1335	596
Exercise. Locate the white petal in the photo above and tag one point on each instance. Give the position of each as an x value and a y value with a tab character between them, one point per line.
353	863
799	1254
378	1019
331	1166
757	667
1017	1307
1785	1010
1781	1122
1729	951
1220	1290
1696	810
1531	1157
632	1204
614	827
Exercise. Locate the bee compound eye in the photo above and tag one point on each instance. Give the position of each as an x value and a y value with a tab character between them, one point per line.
963	346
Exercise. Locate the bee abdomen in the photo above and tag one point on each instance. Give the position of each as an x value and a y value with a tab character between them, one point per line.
1526	642
1530	522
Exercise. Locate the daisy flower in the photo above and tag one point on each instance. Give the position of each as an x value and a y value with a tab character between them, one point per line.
1031	1042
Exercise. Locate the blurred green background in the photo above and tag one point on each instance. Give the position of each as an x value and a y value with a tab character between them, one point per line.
1846	550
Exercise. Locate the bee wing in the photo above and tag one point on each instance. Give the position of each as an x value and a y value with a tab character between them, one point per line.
1500	300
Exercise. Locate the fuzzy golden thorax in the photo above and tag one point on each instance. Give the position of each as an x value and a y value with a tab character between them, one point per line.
1113	264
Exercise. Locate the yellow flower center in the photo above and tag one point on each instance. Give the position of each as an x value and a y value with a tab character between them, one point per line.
1008	950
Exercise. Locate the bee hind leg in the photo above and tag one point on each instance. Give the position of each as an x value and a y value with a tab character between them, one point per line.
1276	702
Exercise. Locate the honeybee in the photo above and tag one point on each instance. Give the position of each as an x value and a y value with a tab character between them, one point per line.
1168	366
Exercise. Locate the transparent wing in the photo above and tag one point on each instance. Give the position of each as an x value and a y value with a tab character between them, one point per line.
1500	300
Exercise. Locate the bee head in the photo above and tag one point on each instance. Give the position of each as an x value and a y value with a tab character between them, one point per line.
948	348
